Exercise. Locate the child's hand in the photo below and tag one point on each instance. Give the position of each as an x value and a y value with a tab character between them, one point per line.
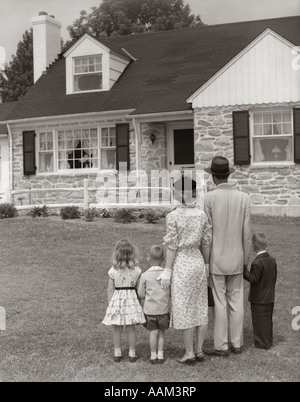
165	278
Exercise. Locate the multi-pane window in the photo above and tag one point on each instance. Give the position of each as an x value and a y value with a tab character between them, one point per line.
78	149
88	73
46	152
108	148
272	137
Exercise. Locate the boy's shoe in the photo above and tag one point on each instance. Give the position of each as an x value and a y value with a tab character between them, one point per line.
117	359
153	361
160	361
236	351
133	359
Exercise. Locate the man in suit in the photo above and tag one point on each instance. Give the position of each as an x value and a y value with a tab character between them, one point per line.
229	214
263	277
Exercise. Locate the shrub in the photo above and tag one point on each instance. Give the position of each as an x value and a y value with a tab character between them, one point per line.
124	216
105	214
152	216
91	214
38	212
70	213
7	211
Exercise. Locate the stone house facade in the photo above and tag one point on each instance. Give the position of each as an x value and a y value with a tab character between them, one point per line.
168	101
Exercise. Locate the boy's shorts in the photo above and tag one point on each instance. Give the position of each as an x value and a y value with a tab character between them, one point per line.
154	322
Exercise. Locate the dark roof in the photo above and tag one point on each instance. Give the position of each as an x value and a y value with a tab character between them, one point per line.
170	67
5	110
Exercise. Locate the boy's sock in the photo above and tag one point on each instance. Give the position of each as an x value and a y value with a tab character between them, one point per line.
153	355
118	353
132	353
160	355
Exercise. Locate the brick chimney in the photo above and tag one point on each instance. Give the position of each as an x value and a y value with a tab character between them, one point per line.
46	42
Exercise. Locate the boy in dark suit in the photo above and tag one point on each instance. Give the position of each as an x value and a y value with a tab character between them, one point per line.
263	277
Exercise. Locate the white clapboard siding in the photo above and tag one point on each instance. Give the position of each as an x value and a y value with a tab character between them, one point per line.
263	73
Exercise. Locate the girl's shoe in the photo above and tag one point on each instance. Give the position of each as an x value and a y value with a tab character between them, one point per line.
133	359
153	361
117	359
160	361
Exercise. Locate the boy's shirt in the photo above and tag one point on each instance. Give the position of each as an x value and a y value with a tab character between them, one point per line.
157	299
263	278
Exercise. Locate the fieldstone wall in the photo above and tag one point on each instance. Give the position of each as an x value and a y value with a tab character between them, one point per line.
271	185
153	156
55	181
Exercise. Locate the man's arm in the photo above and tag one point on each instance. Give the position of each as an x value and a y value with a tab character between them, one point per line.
247	232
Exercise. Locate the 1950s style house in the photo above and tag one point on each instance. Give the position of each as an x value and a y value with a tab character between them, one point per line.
164	100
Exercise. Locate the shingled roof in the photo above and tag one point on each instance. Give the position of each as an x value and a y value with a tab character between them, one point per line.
5	110
169	67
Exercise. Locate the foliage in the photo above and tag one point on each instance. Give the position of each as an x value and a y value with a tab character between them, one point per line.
7	211
91	213
17	77
124	216
70	213
126	17
38	212
152	216
105	213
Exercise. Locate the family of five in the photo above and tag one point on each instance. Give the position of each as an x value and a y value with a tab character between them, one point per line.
204	249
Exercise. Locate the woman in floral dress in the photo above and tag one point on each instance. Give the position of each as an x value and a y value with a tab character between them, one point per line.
188	242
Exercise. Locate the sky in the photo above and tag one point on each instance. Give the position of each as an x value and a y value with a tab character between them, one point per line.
15	15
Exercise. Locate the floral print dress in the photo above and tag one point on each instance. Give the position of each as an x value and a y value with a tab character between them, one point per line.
124	307
187	230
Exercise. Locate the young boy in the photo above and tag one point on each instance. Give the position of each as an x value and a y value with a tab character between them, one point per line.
157	304
263	277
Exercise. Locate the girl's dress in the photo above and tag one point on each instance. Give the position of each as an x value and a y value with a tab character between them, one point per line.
187	229
124	307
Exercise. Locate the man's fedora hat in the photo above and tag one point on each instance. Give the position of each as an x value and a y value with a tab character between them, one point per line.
219	167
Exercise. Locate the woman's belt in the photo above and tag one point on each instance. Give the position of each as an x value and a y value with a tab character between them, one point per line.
125	288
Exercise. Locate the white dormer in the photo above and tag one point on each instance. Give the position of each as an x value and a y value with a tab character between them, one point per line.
91	66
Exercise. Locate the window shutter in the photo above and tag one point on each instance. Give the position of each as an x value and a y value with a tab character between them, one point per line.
122	142
297	135
29	153
241	138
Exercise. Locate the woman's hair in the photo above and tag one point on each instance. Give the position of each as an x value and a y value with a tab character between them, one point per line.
124	255
185	189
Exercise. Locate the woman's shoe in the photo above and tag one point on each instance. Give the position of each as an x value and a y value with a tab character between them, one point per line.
189	361
200	357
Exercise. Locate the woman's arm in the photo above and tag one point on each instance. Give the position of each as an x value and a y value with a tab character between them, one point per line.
167	274
110	289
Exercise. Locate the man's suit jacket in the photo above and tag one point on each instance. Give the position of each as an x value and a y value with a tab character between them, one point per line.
263	277
229	215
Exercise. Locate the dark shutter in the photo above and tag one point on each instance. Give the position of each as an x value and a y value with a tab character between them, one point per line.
29	153
241	138
297	135
122	134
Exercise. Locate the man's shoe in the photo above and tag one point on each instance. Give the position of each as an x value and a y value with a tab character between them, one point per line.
214	352
236	351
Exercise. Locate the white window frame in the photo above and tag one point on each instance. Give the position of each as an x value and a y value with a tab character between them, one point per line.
72	172
252	137
87	73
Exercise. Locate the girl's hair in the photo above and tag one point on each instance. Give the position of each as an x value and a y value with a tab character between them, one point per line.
125	255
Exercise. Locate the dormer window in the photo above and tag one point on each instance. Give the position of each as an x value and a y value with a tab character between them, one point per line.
88	73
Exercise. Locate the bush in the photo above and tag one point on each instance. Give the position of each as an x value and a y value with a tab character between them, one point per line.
105	214
91	214
38	212
124	216
70	213
152	216
7	211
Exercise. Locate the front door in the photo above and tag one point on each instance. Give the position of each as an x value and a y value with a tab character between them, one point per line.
4	170
181	146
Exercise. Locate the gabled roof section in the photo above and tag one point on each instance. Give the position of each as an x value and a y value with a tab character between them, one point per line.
170	66
109	47
268	56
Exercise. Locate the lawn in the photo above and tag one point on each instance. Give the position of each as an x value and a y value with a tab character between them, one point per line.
53	287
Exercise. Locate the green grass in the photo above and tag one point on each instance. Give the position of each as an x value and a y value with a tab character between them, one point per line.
53	278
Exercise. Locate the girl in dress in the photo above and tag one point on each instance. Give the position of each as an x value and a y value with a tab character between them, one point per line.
124	309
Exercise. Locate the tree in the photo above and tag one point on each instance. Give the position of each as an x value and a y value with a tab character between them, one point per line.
125	17
17	77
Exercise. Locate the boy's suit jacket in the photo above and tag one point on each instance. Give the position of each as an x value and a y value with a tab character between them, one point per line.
229	215
263	277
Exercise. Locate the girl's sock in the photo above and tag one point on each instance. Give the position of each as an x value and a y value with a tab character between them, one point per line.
132	353
160	355
118	353
153	355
